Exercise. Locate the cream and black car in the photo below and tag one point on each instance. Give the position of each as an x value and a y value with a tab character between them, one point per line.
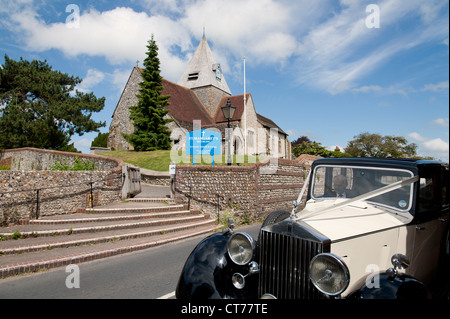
371	228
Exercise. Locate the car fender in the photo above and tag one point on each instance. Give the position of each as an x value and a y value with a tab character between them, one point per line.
208	271
386	286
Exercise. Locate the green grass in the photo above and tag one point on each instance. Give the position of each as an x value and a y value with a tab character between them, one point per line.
156	160
160	160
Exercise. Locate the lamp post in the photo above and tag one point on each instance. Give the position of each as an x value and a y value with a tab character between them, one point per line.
228	113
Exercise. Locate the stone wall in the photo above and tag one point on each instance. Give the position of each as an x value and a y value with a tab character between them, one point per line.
32	194
250	192
121	118
32	159
158	180
32	191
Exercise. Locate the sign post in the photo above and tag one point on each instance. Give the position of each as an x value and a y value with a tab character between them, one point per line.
203	142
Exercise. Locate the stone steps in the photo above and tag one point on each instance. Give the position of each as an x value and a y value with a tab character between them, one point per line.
96	233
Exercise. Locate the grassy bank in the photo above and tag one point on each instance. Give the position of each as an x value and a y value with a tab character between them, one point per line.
160	160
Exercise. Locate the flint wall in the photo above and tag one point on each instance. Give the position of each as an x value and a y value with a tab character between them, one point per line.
249	193
29	190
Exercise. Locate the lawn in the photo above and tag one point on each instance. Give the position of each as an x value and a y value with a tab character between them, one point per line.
160	160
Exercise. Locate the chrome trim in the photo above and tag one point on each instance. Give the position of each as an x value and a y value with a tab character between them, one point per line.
252	244
344	270
238	281
376	192
268	296
284	264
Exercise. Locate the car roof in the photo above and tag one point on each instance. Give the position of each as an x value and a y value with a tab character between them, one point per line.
385	162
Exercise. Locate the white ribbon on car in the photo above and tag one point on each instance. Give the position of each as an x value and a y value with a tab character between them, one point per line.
379	191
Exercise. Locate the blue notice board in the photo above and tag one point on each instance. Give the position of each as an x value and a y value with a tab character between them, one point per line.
203	142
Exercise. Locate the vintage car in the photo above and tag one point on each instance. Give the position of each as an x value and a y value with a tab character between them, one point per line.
371	228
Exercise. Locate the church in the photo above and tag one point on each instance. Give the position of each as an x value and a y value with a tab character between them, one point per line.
195	102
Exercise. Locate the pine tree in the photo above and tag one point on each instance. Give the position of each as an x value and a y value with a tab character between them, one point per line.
150	130
39	106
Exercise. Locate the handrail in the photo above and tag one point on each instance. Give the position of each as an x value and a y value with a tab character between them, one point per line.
59	186
38	190
189	196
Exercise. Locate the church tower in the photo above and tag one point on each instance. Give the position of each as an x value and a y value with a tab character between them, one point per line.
203	75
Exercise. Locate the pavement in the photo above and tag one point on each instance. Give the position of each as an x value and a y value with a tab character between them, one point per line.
152	191
148	220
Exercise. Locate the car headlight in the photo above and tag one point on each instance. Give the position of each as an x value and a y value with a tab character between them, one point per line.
329	274
240	248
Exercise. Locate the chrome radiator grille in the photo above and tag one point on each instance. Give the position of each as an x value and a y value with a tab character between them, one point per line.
284	265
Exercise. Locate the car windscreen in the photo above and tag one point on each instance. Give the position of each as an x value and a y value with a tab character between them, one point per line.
331	182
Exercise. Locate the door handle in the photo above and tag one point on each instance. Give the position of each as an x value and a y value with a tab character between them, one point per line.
419	228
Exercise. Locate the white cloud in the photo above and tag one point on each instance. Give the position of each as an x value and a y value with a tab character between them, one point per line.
342	49
442	122
120	78
437	87
393	89
368	89
120	35
325	45
83	145
162	7
437	147
93	77
254	28
417	137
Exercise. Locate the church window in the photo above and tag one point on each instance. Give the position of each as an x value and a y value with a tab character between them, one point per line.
218	71
193	76
251	139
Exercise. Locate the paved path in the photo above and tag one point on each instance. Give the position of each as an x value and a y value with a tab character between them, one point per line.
151	191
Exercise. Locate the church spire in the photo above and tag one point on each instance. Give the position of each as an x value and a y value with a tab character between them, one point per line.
203	70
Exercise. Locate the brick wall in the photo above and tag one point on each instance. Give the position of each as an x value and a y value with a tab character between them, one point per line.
251	192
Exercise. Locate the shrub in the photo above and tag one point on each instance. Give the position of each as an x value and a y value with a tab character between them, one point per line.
79	165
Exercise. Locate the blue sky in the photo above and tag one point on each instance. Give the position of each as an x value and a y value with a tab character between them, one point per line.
323	68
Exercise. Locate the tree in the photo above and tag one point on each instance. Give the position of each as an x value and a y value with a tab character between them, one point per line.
39	108
300	140
101	140
375	145
150	130
313	148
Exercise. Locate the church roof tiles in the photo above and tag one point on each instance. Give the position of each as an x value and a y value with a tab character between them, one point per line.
184	104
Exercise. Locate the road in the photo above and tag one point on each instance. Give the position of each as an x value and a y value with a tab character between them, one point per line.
147	274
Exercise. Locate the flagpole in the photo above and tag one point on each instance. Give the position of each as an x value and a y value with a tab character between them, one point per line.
245	114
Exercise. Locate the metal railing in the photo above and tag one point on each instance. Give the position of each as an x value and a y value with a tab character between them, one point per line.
191	196
38	191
